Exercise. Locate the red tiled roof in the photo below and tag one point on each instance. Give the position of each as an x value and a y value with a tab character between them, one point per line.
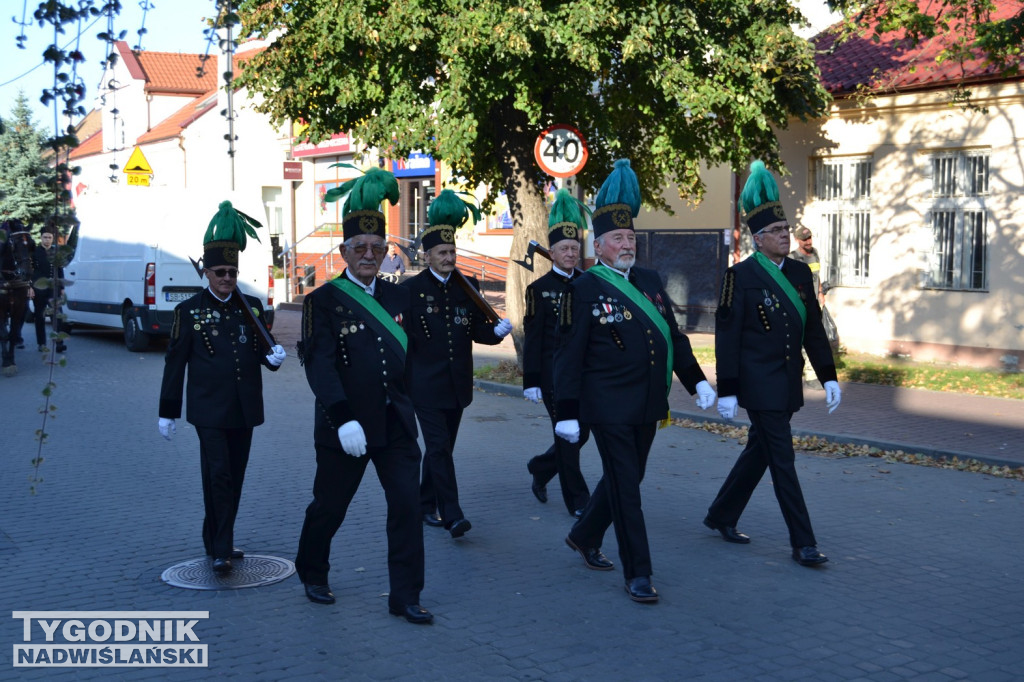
183	117
169	72
89	146
893	64
173	124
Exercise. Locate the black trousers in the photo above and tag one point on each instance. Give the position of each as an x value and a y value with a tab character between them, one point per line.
563	459
616	500
769	446
223	457
338	475
42	300
439	489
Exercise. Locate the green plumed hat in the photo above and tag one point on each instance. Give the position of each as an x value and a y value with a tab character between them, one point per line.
226	236
565	221
759	200
361	212
618	200
447	213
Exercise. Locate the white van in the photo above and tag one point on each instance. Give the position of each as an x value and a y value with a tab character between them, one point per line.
132	265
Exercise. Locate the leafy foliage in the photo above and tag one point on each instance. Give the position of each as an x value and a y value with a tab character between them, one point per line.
473	83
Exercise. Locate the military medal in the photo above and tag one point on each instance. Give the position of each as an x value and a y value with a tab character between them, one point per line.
353	329
458	320
196	326
241	334
626	314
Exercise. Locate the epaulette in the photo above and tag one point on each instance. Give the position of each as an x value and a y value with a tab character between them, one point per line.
176	325
531	303
728	288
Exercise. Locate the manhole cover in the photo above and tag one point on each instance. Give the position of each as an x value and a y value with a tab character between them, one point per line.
252	571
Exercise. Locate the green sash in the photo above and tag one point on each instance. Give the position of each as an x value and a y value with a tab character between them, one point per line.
369	303
787	288
645	306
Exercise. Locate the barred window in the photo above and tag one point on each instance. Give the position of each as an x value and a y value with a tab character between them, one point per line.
841	188
958	221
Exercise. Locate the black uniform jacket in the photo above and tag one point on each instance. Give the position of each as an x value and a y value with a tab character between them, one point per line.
45	267
757	337
540	330
442	328
610	364
219	349
354	366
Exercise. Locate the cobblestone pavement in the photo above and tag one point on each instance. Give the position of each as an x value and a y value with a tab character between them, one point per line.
923	583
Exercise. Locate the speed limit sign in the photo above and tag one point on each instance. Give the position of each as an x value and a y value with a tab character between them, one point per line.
560	151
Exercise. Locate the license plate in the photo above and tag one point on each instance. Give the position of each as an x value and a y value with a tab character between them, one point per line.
178	296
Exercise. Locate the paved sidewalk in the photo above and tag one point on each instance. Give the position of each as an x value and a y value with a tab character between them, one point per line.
916	421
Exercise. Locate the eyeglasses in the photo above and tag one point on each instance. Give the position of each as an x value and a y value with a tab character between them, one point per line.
225	272
775	230
360	249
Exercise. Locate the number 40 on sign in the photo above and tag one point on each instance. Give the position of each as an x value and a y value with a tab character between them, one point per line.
560	151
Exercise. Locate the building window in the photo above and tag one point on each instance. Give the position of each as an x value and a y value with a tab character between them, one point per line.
958	221
841	189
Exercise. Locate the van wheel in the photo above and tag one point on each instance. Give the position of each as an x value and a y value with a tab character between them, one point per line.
135	339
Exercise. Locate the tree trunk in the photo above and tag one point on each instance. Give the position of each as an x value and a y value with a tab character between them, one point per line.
522	185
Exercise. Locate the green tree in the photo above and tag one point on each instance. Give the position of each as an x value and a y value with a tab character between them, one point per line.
664	83
25	192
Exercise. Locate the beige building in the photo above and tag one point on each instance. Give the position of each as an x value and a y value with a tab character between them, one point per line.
915	204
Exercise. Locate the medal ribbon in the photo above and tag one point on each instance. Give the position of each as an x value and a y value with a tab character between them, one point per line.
370	304
776	274
646	307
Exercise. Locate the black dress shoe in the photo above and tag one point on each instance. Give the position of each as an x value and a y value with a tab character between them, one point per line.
540	491
808	556
433	520
592	556
222	565
319	594
641	590
237	553
414	613
729	533
459	528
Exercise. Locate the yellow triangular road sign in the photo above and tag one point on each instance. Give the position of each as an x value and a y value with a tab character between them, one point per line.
137	163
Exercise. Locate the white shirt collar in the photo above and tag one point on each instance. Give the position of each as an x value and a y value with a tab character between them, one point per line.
368	288
222	300
561	272
443	280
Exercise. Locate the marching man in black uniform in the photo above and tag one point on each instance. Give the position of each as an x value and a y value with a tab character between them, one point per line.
540	336
442	328
768	310
214	341
354	351
618	348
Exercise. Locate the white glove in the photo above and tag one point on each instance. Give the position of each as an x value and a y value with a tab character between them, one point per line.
727	407
832	395
502	329
353	440
532	394
167	428
276	356
569	429
705	395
